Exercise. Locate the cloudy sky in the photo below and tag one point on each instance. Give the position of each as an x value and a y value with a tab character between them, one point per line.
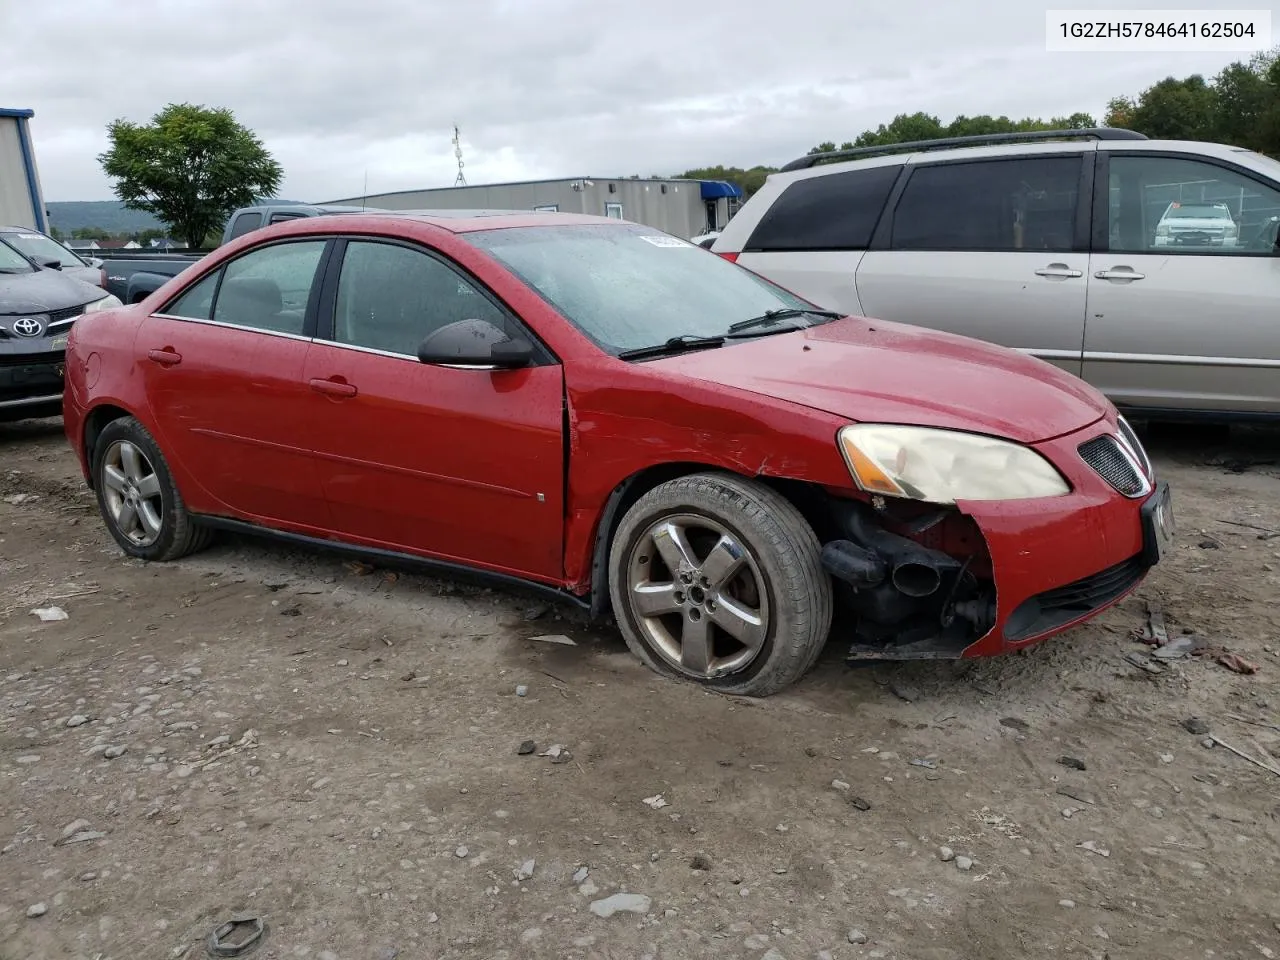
341	89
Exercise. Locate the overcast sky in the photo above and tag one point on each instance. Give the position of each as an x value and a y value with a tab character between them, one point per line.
341	89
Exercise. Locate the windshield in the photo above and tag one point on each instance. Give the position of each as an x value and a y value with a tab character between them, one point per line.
629	286
11	261
39	247
1202	211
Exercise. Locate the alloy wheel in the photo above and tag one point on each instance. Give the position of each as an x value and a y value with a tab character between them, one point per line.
132	493
698	596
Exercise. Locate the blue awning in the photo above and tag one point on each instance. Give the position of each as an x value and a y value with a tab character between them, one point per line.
715	189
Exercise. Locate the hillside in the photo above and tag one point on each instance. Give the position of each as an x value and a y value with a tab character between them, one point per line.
109	215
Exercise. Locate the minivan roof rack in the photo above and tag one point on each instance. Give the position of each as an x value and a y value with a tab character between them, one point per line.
1088	133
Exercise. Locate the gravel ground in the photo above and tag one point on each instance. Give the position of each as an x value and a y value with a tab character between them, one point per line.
341	751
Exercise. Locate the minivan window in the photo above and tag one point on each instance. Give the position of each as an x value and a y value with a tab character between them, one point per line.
1169	205
990	205
836	211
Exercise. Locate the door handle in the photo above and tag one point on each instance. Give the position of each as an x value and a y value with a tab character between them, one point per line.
1059	270
168	357
333	388
1119	273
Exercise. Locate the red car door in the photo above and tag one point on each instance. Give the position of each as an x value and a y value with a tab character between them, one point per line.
222	366
464	465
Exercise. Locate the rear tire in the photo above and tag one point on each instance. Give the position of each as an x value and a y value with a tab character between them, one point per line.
718	579
137	497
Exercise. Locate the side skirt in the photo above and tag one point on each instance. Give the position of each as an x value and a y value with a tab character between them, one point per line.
406	561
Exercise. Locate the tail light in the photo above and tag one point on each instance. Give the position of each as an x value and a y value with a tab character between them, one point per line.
731	257
102	277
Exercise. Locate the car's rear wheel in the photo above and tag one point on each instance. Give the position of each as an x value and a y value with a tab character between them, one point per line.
137	496
718	579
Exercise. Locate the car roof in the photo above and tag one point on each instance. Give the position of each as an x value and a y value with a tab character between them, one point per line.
471	221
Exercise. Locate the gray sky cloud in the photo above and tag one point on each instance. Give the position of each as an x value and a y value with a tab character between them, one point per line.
341	89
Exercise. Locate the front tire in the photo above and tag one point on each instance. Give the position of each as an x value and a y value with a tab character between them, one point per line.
137	497
718	579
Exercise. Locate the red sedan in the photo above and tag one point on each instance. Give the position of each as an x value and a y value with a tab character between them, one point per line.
622	420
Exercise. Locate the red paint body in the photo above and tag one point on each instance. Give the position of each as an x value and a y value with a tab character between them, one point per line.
510	471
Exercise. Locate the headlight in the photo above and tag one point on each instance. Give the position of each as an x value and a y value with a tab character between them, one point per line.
943	466
109	302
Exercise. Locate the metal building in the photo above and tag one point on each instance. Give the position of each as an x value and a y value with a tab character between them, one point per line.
685	208
21	200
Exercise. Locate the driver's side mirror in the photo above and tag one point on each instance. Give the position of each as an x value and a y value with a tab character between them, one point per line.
51	264
475	343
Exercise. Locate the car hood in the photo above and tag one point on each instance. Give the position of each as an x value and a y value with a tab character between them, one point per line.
875	371
43	292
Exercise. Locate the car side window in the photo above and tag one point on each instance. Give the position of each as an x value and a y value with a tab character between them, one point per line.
268	288
990	205
244	223
1167	205
392	297
835	211
195	303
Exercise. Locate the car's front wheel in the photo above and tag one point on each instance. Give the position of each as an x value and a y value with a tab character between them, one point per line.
717	579
137	496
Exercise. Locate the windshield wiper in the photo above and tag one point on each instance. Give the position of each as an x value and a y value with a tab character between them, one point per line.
787	313
672	345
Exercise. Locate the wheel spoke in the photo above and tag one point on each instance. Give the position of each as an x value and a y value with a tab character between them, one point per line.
723	562
114	478
126	518
149	486
695	645
742	623
673	546
654	599
149	518
131	460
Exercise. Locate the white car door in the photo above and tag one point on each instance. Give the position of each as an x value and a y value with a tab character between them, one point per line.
1188	326
994	248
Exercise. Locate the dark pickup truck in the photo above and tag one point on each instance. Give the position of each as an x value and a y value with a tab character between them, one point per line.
133	276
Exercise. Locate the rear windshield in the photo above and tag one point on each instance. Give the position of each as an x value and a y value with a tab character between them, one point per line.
630	286
39	247
1204	211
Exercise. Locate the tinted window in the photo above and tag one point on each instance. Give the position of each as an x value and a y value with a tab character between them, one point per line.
282	217
391	297
836	211
244	223
990	205
196	302
628	286
268	288
1167	205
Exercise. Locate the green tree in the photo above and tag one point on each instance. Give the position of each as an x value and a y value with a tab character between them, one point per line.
145	237
923	126
90	233
189	167
749	180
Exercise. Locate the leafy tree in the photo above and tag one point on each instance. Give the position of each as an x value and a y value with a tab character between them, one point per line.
749	180
923	126
190	167
90	233
145	237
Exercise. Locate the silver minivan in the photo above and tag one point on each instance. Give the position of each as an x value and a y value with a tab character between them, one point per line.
1059	244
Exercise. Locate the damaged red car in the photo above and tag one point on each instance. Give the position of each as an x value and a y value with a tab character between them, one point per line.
624	421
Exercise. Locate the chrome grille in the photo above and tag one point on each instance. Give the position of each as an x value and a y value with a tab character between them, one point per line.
1106	455
1128	435
66	314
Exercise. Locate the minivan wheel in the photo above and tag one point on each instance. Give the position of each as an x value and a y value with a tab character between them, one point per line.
138	498
717	579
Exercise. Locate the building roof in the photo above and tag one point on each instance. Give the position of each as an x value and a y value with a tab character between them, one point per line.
519	183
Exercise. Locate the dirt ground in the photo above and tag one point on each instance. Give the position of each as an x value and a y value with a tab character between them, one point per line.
366	796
